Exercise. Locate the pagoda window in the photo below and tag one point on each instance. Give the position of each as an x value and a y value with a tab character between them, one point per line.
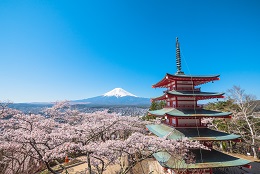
170	121
188	102
171	103
188	122
185	87
173	120
167	121
186	98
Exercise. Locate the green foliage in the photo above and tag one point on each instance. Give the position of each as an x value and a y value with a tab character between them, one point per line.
245	120
225	106
221	124
148	117
157	105
154	106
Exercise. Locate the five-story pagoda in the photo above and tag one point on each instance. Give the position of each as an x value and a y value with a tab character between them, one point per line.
183	116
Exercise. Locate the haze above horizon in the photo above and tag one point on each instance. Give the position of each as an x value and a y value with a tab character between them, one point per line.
57	50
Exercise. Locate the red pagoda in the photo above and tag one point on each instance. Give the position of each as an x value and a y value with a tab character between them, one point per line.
182	117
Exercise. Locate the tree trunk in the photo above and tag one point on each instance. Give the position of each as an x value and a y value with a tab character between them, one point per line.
129	164
253	148
89	165
49	168
252	136
254	152
231	146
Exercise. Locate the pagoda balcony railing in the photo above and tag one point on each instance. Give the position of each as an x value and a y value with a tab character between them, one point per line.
189	106
167	122
200	106
183	89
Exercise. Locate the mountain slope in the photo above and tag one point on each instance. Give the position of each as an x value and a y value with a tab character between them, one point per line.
117	96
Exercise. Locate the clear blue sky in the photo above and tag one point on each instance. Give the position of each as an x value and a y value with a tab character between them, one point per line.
56	50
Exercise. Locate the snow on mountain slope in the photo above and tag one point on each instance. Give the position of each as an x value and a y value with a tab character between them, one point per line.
118	92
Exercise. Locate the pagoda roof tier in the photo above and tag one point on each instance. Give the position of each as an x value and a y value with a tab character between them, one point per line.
189	113
197	79
198	134
203	159
161	112
197	94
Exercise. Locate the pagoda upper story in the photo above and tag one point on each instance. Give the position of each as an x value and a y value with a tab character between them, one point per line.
180	81
184	82
181	91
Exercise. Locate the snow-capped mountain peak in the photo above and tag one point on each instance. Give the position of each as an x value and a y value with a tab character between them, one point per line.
118	92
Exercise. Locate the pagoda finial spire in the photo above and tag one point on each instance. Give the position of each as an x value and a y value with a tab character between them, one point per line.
178	57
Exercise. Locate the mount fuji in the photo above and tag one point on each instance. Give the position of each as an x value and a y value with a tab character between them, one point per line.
117	96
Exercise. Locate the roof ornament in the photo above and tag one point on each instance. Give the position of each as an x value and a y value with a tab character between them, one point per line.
178	58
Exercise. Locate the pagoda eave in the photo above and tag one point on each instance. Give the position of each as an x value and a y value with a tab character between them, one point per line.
192	78
197	80
197	97
203	113
169	95
194	93
160	112
194	116
190	113
211	159
163	97
209	97
162	83
197	134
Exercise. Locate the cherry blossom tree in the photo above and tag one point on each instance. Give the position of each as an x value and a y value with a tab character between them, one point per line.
104	138
42	139
138	147
6	111
62	112
15	161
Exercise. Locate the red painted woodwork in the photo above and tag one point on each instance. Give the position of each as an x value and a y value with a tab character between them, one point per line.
237	140
172	78
247	166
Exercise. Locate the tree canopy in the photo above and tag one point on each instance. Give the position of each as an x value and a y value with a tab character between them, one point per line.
32	142
245	120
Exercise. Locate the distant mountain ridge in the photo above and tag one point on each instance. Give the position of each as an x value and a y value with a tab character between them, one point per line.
117	96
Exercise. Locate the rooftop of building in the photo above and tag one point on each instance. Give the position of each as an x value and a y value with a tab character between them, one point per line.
203	159
196	133
196	94
197	79
189	112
